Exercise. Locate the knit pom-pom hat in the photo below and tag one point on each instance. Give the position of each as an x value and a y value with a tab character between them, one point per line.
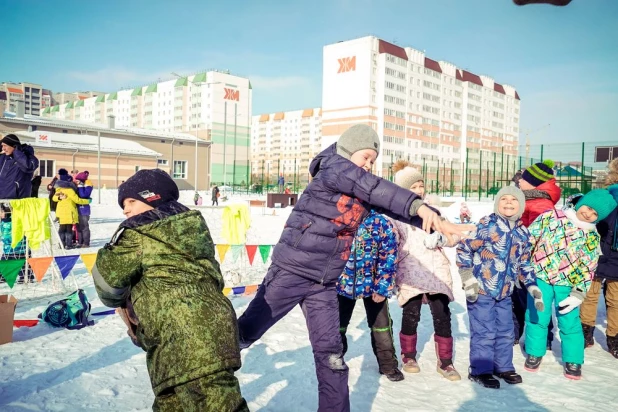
539	173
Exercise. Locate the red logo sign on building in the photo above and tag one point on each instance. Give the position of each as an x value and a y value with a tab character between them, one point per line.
231	94
347	64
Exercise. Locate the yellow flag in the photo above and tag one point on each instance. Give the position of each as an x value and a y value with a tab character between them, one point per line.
226	291
89	260
222	249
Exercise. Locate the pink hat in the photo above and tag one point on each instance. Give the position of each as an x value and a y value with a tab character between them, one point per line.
83	176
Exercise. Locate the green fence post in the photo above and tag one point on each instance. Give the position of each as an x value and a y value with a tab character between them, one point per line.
294	175
507	170
480	172
465	188
262	182
502	165
452	173
541	153
582	174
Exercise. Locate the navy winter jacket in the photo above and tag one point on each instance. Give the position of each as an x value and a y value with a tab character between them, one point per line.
317	237
608	261
16	174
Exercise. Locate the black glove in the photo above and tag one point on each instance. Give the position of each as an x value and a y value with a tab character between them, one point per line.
26	149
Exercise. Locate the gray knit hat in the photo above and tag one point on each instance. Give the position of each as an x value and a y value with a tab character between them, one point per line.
518	194
407	176
357	137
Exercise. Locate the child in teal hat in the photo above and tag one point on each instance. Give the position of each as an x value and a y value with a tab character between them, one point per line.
565	254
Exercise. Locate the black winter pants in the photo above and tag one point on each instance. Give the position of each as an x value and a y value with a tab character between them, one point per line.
83	230
381	325
66	235
438	304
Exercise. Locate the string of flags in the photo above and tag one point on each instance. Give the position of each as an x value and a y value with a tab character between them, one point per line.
9	269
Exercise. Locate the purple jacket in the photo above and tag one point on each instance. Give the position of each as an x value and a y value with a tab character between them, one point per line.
16	174
84	190
317	237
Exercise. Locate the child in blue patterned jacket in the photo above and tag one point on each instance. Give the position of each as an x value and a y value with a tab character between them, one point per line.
489	263
369	275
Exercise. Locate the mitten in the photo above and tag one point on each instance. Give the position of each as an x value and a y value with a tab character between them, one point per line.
26	149
536	293
435	240
571	302
470	285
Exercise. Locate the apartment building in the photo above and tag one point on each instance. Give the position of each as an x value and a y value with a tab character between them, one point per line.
62	98
443	118
285	143
29	93
212	105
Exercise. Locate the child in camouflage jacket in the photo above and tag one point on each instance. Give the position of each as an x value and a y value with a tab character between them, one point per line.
160	268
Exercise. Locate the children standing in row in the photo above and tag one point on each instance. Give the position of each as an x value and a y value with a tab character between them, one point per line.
490	263
565	253
423	276
66	210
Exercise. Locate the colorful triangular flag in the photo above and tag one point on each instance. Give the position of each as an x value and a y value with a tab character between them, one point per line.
65	264
264	252
222	250
89	260
236	249
251	289
226	291
238	290
9	269
39	266
251	249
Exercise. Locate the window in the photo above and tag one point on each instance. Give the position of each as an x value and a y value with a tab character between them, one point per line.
46	168
137	168
162	162
180	169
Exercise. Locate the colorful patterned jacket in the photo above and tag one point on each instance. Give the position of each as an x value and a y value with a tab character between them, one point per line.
565	249
372	264
497	255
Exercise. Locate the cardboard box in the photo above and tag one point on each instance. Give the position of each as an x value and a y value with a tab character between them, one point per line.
7	314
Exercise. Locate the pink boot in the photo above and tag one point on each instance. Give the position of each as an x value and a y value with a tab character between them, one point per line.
408	353
444	350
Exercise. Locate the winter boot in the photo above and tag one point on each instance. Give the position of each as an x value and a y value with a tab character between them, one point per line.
533	363
444	350
510	377
394	376
486	379
612	345
588	335
573	371
408	353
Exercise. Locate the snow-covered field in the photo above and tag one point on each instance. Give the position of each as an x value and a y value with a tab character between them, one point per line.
98	368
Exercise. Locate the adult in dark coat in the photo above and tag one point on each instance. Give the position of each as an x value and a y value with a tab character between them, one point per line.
17	166
215	195
51	189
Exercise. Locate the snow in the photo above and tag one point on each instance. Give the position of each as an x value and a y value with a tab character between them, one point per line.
98	368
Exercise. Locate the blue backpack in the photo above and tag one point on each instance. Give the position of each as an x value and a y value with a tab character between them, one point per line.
70	313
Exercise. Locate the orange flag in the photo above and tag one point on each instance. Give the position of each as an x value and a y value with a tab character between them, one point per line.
222	249
251	289
251	249
89	259
39	266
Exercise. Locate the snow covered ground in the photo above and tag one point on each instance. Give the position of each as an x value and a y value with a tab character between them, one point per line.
98	368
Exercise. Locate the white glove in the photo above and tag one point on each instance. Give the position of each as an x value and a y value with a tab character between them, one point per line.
536	293
570	303
470	285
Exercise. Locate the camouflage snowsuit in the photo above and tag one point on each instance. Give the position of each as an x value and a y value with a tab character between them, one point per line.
163	261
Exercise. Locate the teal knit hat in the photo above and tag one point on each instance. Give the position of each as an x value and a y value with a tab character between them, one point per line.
601	200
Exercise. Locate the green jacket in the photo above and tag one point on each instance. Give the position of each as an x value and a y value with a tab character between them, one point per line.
164	260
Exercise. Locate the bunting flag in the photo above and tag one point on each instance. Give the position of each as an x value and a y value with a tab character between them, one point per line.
236	249
264	252
251	249
39	266
89	260
239	290
9	269
222	250
226	291
65	264
251	289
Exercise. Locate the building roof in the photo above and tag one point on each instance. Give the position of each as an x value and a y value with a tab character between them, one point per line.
132	131
433	65
389	48
499	88
89	143
14	90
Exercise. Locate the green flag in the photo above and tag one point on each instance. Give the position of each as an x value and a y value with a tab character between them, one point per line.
264	251
9	269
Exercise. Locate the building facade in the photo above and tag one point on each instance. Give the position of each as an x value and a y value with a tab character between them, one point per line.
432	113
29	93
285	143
214	106
76	146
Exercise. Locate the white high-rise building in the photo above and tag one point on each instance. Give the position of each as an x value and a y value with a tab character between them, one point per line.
428	112
214	106
285	143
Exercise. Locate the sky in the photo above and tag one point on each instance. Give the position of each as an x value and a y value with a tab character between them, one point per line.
561	60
